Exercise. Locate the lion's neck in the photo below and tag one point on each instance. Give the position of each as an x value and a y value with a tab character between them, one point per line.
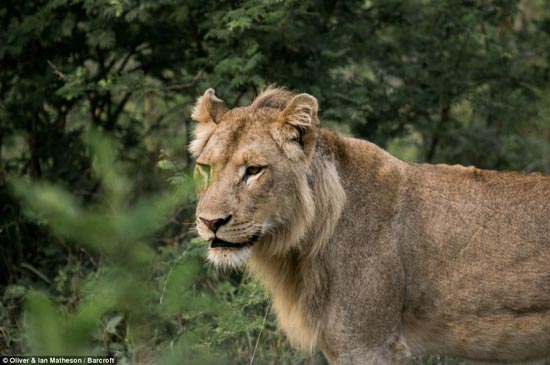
295	284
298	279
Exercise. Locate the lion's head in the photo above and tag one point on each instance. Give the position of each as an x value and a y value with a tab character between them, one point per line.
255	174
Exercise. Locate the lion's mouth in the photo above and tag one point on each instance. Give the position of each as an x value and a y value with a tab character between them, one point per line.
216	242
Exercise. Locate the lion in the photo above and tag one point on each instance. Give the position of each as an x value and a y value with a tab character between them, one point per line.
368	258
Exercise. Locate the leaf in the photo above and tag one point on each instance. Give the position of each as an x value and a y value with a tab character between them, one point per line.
112	324
14	292
166	165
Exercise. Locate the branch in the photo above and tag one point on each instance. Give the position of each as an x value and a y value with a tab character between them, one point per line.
187	85
126	59
443	119
114	116
56	71
93	106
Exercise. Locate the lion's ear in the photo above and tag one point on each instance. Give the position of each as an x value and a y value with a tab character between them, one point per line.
301	111
209	108
299	121
208	111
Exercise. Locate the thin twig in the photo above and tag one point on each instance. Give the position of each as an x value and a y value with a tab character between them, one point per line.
260	334
168	276
36	272
56	71
196	78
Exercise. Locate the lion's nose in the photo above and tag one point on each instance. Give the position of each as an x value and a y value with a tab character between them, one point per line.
214	224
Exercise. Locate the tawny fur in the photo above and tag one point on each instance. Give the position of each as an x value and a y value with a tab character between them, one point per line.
369	258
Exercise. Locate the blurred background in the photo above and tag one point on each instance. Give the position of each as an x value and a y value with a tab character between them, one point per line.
97	249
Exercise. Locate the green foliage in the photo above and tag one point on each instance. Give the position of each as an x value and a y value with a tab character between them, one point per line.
88	239
120	292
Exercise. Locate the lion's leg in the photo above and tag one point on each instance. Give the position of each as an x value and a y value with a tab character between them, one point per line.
363	321
351	348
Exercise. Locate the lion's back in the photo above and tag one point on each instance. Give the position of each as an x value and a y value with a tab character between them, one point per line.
478	249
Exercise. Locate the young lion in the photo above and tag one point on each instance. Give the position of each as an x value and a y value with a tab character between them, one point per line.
369	258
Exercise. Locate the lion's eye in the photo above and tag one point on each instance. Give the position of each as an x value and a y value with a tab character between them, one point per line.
253	170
